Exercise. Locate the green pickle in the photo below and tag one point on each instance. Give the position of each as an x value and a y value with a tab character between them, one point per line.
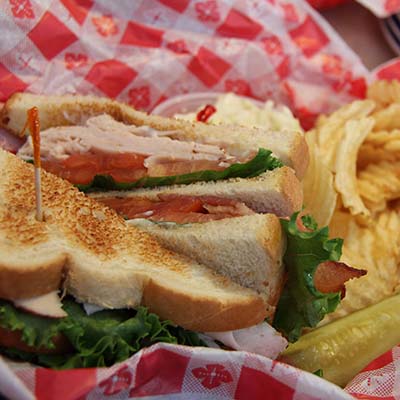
344	347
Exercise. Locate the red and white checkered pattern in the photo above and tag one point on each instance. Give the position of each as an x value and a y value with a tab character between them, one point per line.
146	51
168	370
143	52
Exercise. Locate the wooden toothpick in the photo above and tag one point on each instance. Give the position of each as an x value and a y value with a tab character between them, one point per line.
33	123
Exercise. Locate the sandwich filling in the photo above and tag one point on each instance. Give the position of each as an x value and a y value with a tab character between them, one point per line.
181	209
126	153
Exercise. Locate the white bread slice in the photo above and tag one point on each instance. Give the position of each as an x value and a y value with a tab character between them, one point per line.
278	192
247	249
289	146
100	259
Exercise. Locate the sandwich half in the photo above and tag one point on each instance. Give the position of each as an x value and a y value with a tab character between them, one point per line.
87	250
99	143
233	227
221	171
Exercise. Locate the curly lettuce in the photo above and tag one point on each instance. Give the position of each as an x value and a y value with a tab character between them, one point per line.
301	304
100	339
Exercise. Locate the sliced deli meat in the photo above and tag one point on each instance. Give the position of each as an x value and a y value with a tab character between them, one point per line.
106	146
260	339
47	305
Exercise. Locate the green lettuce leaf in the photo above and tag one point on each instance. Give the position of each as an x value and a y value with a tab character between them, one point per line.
101	339
35	331
263	161
301	304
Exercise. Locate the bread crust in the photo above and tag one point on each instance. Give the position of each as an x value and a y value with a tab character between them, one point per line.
21	282
225	316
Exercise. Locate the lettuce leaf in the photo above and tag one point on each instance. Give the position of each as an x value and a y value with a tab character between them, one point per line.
101	339
301	304
263	161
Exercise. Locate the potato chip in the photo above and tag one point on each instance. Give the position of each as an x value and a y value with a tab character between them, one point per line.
355	131
384	93
387	118
379	183
379	138
379	146
318	185
361	143
331	132
375	249
369	154
339	224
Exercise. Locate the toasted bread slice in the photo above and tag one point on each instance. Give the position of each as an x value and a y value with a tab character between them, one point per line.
100	259
289	146
246	249
278	192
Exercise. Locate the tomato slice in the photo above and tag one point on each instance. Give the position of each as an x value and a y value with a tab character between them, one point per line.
182	167
126	175
123	167
81	168
174	208
123	161
187	218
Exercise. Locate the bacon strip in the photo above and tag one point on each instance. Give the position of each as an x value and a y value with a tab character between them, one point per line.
331	276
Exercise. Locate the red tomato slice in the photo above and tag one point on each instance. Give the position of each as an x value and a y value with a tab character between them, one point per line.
81	168
123	167
123	161
182	167
76	161
144	208
186	218
126	175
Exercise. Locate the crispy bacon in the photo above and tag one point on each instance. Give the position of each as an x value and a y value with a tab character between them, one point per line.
331	276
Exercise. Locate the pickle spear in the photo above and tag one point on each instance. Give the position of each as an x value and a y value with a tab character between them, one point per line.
344	347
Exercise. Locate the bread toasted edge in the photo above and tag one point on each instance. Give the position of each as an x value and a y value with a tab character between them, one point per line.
209	316
22	283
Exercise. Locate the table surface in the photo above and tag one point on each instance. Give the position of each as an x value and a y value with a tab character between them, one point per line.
361	30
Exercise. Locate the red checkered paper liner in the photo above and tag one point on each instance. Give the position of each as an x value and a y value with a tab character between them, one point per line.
380	379
144	52
167	371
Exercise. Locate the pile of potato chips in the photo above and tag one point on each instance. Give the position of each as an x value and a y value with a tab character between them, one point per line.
353	184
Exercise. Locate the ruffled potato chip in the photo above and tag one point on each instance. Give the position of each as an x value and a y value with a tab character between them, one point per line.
384	93
355	131
379	146
318	185
375	249
330	133
379	183
387	118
